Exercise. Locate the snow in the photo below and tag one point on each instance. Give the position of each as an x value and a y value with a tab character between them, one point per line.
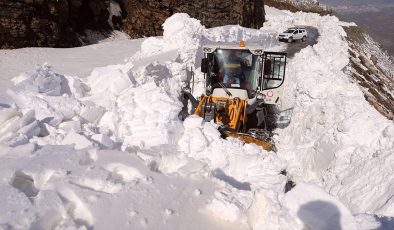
317	209
335	138
74	62
98	143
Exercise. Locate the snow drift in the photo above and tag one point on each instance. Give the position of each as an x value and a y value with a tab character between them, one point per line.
73	147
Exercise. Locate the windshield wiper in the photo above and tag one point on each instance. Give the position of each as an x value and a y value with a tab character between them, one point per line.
225	89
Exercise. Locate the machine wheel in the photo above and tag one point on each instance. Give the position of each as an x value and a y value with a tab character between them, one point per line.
290	40
303	38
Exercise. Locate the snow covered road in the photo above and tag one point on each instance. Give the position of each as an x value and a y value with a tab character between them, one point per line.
297	46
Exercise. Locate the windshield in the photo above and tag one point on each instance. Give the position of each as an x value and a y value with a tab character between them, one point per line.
235	69
289	31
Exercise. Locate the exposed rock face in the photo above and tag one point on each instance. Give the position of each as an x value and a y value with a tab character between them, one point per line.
371	68
59	23
146	17
50	23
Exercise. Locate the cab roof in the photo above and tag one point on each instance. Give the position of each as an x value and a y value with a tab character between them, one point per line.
253	48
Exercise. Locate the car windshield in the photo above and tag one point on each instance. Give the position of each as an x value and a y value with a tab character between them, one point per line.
235	69
289	31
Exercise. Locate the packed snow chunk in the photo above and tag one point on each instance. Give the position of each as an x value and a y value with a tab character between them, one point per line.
98	185
182	30
27	118
266	213
171	163
192	167
193	121
44	81
91	113
110	79
123	173
103	140
71	126
16	210
79	141
19	131
318	209
153	99
193	141
153	45
211	131
148	117
25	184
76	208
77	87
50	210
368	221
7	113
230	204
147	138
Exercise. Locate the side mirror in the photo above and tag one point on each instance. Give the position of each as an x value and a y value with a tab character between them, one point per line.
204	65
267	67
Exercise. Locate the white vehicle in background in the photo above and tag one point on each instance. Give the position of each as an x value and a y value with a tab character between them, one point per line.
293	34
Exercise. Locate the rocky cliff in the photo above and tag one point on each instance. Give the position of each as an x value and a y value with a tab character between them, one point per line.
50	23
55	23
141	14
373	70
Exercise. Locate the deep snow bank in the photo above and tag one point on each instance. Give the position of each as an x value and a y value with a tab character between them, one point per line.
336	139
134	108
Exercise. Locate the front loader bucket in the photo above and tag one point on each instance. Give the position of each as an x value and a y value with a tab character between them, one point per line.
247	138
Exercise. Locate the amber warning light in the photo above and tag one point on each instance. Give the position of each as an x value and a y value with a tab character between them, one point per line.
242	43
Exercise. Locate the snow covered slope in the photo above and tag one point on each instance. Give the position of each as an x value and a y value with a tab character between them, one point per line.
109	151
373	69
74	62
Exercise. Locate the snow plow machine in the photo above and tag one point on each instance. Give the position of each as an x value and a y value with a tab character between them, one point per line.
242	86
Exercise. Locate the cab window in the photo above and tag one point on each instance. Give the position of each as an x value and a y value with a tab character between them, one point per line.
234	69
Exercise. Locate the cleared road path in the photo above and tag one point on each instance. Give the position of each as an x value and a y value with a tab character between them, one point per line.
298	45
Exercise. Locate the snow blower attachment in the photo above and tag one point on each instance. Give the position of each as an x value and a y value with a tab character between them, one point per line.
241	83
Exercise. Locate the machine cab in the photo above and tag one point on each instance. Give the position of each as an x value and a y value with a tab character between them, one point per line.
245	72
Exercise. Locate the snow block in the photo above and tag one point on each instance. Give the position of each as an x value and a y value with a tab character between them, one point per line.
193	121
103	140
78	140
92	113
71	126
318	209
230	204
6	114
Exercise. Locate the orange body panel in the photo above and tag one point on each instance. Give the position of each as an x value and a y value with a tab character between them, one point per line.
230	111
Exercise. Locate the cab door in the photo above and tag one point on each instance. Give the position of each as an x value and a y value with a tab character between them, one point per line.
272	76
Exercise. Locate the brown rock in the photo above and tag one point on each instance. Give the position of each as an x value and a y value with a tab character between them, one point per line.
374	59
211	13
58	23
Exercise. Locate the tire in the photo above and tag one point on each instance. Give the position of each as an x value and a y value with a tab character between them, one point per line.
290	40
303	38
